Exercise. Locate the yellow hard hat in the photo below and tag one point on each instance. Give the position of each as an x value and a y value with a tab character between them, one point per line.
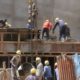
33	71
18	52
29	20
46	62
38	59
30	1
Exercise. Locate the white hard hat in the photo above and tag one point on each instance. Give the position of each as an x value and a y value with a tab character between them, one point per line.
29	20
18	52
66	23
47	20
46	62
56	19
38	59
33	71
56	64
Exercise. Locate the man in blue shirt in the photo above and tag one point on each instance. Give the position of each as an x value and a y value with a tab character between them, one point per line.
60	24
47	71
29	24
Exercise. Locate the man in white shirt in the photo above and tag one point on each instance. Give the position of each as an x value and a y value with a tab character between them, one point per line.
39	70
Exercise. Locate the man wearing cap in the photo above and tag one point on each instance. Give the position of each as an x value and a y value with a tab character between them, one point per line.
60	24
47	25
29	24
32	75
65	32
39	70
56	70
15	61
47	71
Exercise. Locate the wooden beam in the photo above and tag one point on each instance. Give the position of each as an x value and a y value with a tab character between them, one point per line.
35	45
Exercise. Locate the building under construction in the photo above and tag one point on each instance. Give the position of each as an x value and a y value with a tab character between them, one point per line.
29	40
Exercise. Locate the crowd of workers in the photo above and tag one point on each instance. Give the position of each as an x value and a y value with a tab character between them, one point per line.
39	73
42	71
64	30
47	26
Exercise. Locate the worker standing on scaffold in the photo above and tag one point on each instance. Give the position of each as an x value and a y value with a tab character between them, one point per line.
47	25
60	24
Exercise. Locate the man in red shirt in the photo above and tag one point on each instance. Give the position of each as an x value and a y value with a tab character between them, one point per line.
47	25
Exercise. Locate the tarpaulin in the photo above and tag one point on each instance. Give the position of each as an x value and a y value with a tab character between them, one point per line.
66	68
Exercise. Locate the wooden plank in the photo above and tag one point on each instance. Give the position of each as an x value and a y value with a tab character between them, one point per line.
42	47
35	45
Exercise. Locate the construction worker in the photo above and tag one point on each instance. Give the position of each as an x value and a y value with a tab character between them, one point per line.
67	31
15	61
4	24
29	24
60	24
39	70
47	71
7	25
4	74
47	25
32	75
56	70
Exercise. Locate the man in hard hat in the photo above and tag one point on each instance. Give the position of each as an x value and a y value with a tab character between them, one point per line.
32	75
60	24
29	24
47	71
56	70
15	62
47	25
4	24
7	25
39	70
65	31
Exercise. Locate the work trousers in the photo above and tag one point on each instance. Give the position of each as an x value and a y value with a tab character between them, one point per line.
45	30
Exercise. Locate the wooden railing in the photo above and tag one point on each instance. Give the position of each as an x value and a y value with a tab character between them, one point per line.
28	42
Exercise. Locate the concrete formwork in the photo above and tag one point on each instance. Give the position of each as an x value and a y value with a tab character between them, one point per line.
68	10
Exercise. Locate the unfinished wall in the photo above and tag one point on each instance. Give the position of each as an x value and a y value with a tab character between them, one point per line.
68	10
